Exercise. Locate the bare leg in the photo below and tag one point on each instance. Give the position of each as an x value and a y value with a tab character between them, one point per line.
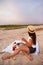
9	55
26	51
28	56
21	48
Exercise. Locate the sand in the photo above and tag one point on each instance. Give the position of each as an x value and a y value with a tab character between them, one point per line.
8	36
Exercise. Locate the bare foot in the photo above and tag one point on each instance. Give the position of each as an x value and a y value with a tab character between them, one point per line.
30	57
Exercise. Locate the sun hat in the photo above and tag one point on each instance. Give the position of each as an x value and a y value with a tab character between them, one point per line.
30	29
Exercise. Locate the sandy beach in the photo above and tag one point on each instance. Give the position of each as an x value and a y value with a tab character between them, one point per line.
8	36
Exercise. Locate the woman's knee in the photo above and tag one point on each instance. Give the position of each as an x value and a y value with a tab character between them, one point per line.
24	48
21	47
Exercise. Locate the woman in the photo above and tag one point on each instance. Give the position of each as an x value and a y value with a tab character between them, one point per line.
28	47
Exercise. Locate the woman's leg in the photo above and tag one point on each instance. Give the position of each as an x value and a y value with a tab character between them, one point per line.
9	55
21	48
28	56
26	52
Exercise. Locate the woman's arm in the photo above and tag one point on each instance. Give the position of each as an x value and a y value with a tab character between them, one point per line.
28	43
23	39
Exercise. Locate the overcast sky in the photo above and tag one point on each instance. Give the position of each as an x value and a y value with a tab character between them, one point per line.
21	11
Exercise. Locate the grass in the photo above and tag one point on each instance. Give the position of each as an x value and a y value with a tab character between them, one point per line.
8	27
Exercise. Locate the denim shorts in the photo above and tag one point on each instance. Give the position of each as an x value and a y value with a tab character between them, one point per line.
32	50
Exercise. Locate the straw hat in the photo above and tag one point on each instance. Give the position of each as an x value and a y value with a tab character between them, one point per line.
30	29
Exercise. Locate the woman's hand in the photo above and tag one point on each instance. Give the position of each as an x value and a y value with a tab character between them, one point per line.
28	43
23	39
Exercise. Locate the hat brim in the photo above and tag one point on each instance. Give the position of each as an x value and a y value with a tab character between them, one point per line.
31	31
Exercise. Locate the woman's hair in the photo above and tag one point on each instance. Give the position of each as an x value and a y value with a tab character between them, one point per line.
33	36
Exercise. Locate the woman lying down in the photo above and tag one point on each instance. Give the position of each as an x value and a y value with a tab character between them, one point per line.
27	48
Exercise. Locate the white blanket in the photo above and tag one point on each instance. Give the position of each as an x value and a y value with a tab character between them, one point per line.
9	47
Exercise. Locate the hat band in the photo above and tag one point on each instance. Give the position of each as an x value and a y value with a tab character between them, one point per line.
31	31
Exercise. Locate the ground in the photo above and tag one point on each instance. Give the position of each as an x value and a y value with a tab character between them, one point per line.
8	36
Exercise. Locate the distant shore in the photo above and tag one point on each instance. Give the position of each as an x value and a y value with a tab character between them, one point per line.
11	27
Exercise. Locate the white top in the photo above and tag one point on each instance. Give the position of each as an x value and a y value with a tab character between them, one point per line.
35	46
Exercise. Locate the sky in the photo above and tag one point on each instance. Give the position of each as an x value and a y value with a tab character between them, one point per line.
21	12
